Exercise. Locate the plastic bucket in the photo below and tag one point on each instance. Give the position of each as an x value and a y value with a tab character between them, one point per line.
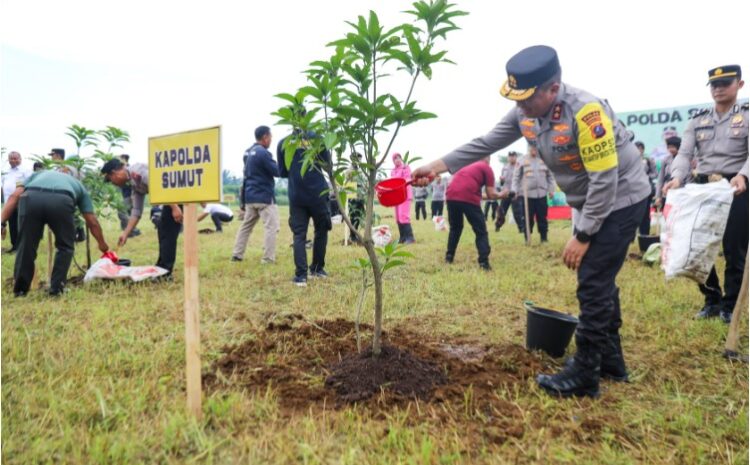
391	192
548	330
644	242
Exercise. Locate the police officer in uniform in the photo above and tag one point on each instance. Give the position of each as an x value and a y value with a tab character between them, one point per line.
510	200
540	184
718	137
595	163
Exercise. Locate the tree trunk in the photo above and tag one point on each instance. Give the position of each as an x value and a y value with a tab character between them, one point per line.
377	275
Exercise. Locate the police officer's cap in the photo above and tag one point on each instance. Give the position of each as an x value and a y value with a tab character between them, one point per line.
725	73
527	70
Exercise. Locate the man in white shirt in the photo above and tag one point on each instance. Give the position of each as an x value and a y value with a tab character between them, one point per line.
11	179
219	214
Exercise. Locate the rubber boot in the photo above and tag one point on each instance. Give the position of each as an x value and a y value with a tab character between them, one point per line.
613	363
409	234
579	377
401	235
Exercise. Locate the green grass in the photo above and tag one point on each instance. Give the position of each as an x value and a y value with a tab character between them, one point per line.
98	375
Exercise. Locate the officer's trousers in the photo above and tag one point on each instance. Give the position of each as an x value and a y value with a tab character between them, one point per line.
734	244
167	231
516	205
597	292
473	213
299	219
419	206
538	211
36	209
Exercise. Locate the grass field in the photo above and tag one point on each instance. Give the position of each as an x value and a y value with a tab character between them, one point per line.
97	376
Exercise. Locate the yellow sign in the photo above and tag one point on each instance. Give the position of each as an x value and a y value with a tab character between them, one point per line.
185	167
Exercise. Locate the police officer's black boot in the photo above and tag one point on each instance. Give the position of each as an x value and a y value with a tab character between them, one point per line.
580	377
613	362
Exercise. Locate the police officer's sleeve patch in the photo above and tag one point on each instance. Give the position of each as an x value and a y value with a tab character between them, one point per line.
596	138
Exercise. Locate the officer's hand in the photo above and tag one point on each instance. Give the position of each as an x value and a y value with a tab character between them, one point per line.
504	194
574	252
673	184
122	240
739	183
103	247
423	176
657	203
177	215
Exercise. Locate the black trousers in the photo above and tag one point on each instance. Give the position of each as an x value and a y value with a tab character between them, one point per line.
419	206
490	205
597	292
299	219
35	210
473	214
538	214
734	244
167	231
219	218
356	214
644	229
516	204
437	207
13	226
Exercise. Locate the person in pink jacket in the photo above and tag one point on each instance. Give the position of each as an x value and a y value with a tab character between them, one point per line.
403	211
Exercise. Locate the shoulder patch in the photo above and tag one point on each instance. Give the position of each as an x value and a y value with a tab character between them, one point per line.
596	138
701	112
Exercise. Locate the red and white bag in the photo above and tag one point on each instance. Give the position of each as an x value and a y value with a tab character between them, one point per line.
104	268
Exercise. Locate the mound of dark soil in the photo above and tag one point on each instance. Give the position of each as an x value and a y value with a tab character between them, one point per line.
360	376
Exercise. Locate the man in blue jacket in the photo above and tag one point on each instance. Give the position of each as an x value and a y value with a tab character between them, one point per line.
307	199
259	199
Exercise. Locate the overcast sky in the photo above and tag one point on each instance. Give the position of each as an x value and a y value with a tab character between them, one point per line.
156	67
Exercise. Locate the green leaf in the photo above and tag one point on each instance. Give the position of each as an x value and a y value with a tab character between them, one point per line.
393	263
402	253
330	140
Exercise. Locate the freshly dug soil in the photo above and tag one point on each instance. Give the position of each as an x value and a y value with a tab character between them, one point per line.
316	363
360	376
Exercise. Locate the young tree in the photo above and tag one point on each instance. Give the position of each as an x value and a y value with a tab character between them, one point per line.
343	109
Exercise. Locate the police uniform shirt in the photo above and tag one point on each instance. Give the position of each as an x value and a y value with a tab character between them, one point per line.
539	179
139	182
586	147
506	175
719	141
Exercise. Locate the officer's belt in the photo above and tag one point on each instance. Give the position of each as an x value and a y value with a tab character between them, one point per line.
706	178
52	191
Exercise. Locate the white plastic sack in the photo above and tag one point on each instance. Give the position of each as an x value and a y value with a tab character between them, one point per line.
439	222
104	268
381	235
694	221
337	219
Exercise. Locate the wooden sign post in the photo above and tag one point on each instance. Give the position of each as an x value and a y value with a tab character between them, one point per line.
192	312
185	169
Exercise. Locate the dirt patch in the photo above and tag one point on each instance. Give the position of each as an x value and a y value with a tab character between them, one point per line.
360	376
206	231
314	363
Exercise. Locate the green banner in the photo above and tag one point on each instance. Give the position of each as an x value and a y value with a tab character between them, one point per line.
652	127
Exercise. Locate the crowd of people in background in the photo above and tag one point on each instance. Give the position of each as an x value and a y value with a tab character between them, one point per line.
575	142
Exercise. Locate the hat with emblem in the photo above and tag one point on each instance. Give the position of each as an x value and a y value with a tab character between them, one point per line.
527	70
724	73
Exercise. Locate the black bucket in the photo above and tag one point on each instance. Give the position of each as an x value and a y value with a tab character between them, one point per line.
548	330
644	242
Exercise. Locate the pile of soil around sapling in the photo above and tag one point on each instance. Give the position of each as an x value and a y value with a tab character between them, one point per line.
360	376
